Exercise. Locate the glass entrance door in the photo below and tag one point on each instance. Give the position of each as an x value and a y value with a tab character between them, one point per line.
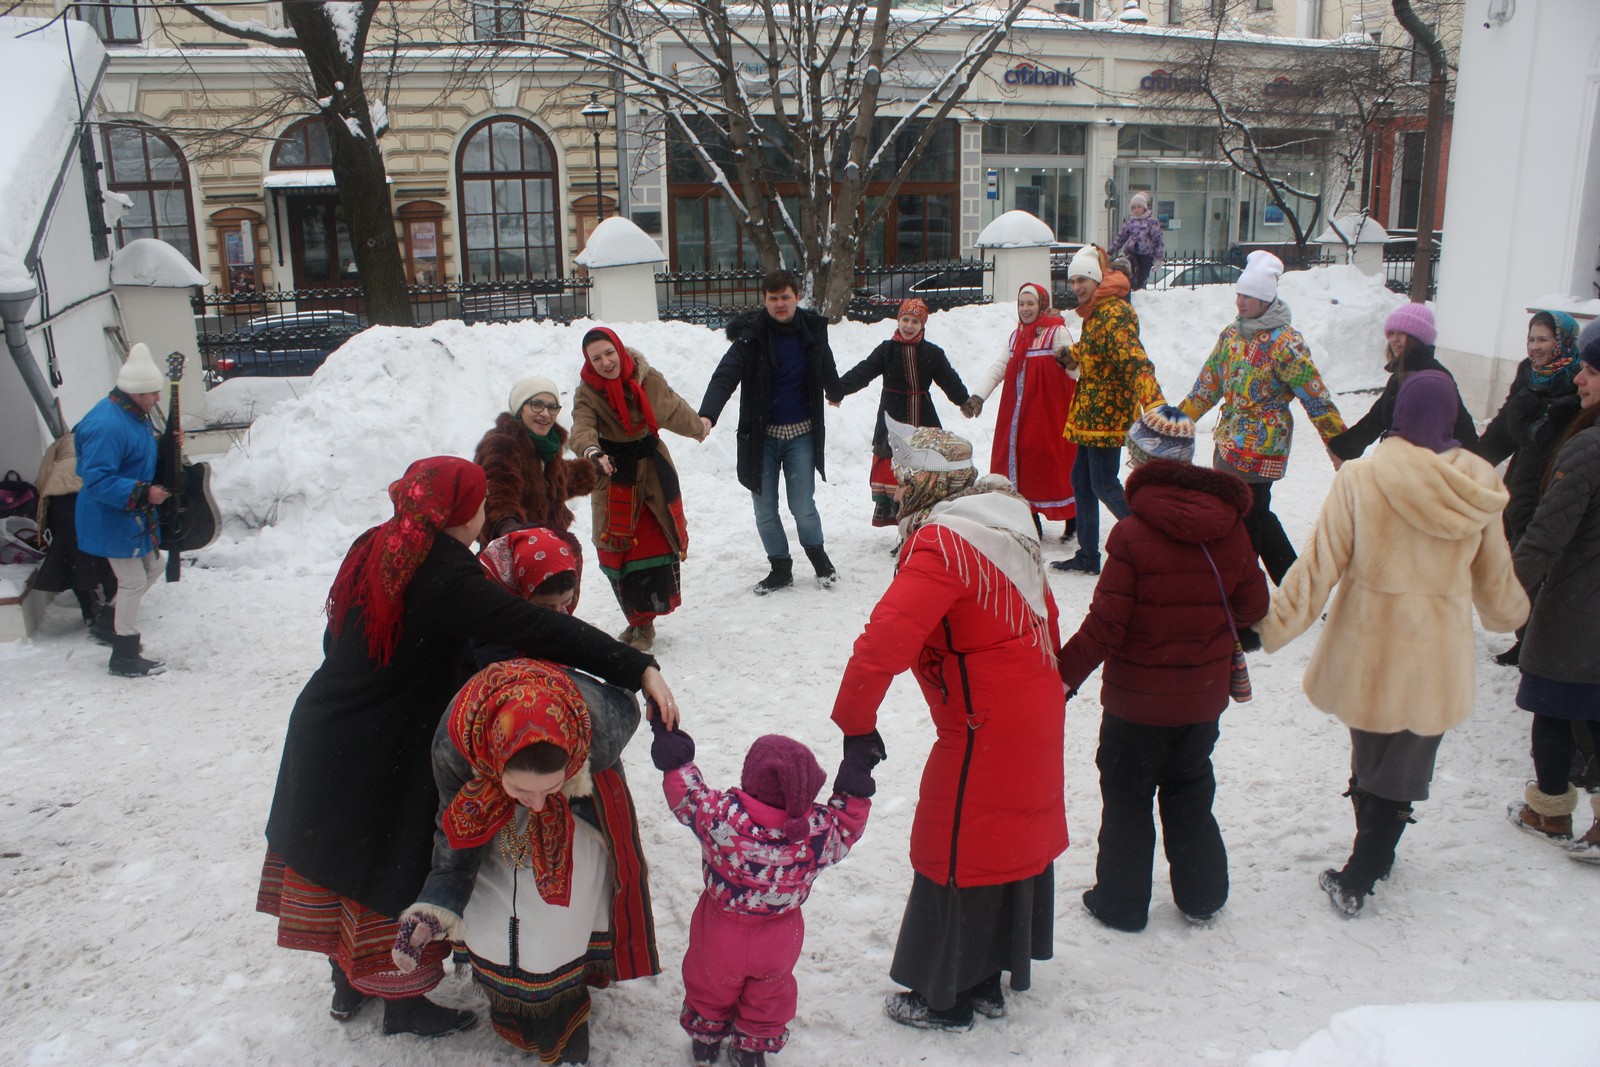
1219	224
319	243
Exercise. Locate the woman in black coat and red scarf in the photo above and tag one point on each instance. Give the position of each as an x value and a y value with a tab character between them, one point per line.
350	836
909	365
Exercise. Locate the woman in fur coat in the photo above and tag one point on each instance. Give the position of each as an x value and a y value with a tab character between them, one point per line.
529	480
1560	552
1412	537
971	613
619	411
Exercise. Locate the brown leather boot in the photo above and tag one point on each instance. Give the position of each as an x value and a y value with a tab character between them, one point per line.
1545	815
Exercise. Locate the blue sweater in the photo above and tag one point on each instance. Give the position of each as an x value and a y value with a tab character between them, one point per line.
117	462
790	402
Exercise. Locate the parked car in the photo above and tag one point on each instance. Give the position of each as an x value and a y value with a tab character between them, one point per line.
1191	275
1400	259
941	290
284	345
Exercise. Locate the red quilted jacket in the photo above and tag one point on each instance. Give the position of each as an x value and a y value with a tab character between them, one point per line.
1157	620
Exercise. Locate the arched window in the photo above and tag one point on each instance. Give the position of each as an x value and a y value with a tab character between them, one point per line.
147	168
303	145
506	176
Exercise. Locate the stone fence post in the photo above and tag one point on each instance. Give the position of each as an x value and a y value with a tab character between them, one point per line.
621	260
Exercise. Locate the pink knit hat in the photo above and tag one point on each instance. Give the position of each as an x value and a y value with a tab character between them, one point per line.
1413	319
783	773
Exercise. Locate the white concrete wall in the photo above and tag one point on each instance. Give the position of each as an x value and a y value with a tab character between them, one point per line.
1522	219
163	319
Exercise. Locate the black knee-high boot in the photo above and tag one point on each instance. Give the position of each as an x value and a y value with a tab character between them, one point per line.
1379	824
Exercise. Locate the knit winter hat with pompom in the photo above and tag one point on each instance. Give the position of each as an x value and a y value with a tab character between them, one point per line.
783	773
1164	432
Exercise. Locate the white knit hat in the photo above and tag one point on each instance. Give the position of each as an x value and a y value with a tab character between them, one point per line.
1086	264
140	373
527	389
1260	276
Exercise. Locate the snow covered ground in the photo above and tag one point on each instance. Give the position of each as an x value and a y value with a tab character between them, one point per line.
131	826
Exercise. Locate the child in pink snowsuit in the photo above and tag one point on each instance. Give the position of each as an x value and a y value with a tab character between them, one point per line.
762	846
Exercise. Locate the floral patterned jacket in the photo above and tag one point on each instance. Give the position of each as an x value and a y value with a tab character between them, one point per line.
1256	373
1116	380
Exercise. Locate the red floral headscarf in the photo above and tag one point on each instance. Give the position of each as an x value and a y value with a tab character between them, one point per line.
505	707
523	560
432	494
617	390
917	307
1022	338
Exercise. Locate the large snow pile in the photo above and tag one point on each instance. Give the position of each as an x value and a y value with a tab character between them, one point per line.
1461	1035
131	812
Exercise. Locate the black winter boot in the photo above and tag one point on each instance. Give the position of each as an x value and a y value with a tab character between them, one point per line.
827	573
705	1052
421	1016
347	999
126	662
909	1009
987	998
1379	824
781	576
748	1057
103	628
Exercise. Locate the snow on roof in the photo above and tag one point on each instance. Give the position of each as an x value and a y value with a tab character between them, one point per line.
148	261
618	242
37	126
1359	230
1016	229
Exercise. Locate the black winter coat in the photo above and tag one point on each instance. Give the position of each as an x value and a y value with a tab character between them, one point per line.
1375	423
748	367
906	384
1529	425
355	802
1560	550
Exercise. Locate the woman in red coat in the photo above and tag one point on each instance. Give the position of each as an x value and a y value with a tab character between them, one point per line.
971	611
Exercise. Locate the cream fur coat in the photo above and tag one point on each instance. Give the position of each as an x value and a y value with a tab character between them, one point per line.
1413	540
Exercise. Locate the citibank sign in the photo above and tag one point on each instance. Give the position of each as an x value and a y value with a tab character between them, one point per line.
1031	74
1163	81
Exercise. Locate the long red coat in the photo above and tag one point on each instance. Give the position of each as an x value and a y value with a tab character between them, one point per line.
992	807
1035	398
1158	620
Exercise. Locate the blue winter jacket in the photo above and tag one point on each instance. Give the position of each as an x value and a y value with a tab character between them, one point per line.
117	462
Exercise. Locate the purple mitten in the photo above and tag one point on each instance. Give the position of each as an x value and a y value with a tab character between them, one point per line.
855	774
671	749
406	953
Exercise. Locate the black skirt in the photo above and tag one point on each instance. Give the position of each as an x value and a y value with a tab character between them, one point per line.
953	939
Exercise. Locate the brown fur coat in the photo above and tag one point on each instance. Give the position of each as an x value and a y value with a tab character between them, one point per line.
1413	540
524	490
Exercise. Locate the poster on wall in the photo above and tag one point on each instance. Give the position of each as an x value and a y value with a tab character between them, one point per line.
1166	210
1271	215
239	251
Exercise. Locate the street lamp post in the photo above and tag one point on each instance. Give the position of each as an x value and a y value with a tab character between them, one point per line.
595	115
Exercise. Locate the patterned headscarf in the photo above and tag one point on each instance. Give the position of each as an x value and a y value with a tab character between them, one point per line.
918	308
617	390
1566	347
523	560
931	465
1022	337
432	494
503	708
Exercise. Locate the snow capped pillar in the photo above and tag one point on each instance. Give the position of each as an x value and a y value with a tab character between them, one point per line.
1357	240
621	259
153	282
1019	246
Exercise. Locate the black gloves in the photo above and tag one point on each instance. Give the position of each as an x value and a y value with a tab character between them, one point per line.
1249	640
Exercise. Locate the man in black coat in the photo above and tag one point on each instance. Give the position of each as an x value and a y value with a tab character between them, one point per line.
780	361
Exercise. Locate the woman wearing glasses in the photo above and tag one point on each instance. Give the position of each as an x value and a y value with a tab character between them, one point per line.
529	480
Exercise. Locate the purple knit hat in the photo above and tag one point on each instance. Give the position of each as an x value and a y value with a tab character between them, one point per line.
1413	319
1425	410
782	772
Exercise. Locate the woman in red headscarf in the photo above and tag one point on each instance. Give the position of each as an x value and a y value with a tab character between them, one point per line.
909	365
349	839
1035	397
537	865
618	412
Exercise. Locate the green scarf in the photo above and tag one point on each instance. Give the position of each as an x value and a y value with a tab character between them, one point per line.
549	445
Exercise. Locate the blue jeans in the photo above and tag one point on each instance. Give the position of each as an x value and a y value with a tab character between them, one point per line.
1094	482
796	460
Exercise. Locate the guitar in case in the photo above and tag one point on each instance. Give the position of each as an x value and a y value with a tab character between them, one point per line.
189	518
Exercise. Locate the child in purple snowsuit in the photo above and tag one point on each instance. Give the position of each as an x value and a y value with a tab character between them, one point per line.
1140	237
762	846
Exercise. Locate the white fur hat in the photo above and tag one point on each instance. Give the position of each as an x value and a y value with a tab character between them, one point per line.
527	389
1086	264
140	373
1260	277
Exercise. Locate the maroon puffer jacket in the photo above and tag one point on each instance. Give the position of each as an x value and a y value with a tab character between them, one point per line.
1157	620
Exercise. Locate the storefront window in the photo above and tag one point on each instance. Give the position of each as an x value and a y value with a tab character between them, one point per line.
1037	167
1011	138
507	181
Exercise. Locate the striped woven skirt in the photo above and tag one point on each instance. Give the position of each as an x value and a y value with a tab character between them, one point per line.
546	1014
356	938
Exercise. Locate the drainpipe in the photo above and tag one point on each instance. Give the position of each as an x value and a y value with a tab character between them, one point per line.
14	310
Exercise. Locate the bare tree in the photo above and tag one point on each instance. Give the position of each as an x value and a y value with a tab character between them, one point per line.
821	97
332	41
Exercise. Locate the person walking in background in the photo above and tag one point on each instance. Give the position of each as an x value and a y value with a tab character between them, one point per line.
116	508
970	610
780	362
66	565
1542	402
1413	539
1140	238
1116	384
762	847
530	481
1409	333
1259	364
1559	553
1035	397
1180	578
641	536
909	365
